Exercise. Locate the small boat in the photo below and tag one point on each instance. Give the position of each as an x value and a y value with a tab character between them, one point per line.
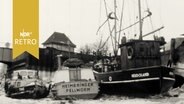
74	82
25	84
138	69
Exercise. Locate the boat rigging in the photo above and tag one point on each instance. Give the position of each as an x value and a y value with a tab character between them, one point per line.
138	67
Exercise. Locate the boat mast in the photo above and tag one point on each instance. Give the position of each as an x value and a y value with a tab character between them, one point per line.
115	29
140	20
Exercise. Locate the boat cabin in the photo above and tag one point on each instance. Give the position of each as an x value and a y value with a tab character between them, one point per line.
71	70
139	53
73	74
24	74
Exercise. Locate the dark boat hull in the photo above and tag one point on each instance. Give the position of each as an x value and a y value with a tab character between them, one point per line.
149	80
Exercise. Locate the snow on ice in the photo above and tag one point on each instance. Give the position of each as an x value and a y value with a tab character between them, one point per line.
105	99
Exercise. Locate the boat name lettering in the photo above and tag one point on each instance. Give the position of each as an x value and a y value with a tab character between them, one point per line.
73	85
138	75
78	90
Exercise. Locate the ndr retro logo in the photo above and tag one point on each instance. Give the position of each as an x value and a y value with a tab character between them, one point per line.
25	39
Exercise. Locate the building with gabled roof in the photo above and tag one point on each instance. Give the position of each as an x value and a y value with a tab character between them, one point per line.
60	42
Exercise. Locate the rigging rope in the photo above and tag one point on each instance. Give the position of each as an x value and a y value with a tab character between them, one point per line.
129	15
150	16
162	23
99	24
99	16
100	43
135	19
133	24
107	39
109	24
121	19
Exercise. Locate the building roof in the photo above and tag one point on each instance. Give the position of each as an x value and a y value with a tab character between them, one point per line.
59	38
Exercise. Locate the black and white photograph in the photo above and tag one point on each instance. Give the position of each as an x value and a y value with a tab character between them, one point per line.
93	52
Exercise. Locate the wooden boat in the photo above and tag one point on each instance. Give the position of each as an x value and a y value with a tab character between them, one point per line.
74	82
25	84
173	56
138	69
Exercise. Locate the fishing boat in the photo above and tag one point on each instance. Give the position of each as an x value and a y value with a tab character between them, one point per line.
71	81
138	69
25	84
172	56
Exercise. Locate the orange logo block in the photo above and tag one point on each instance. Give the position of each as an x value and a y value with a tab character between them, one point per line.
25	27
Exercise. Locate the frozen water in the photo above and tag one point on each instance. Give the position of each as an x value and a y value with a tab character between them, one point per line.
105	99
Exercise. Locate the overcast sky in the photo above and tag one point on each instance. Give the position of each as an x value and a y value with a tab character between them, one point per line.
80	19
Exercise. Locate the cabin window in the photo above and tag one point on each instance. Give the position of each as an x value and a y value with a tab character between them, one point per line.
23	73
75	74
31	74
143	49
15	73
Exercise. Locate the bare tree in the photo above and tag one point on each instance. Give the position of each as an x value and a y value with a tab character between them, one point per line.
95	48
86	49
